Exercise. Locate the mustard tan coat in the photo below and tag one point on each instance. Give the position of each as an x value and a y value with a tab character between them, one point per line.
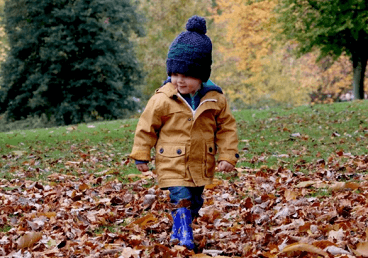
185	141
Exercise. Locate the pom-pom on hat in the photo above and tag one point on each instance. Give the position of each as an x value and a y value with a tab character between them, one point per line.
191	52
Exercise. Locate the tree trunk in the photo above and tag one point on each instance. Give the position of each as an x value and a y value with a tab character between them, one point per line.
359	67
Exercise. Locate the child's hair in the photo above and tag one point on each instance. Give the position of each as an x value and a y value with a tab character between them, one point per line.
191	52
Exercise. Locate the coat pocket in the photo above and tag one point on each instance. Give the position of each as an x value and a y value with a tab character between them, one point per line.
170	161
210	159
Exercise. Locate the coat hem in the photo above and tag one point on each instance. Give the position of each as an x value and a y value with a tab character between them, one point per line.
167	184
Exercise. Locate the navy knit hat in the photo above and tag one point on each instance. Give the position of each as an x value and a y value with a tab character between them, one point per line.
191	52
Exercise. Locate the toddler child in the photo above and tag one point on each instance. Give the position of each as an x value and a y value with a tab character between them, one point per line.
187	121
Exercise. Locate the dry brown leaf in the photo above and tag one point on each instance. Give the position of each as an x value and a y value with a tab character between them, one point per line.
334	250
71	163
29	239
305	184
304	247
83	187
149	174
362	249
131	176
323	243
205	256
339	186
352	185
58	208
47	214
336	235
290	195
180	248
128	252
19	153
142	222
216	182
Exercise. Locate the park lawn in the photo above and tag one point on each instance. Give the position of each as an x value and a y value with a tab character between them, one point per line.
290	138
81	175
302	135
51	150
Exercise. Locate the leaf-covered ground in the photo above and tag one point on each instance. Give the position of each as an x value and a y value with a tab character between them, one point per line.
290	196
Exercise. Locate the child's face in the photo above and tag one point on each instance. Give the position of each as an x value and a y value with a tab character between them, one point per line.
185	84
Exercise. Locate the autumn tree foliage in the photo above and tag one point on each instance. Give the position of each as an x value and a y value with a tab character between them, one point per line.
335	27
164	20
72	61
259	67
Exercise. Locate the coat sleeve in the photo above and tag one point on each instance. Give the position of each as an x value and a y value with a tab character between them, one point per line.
147	130
226	135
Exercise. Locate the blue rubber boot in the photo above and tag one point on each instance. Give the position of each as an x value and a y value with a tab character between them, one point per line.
182	230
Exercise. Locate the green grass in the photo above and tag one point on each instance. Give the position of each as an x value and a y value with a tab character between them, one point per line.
5	228
266	135
106	134
320	193
98	146
266	139
101	229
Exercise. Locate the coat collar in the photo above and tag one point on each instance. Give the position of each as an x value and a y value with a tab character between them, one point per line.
169	90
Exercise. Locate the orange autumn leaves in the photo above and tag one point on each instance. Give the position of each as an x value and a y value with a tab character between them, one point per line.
251	212
258	68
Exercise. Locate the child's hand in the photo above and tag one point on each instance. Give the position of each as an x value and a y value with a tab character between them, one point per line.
225	166
142	167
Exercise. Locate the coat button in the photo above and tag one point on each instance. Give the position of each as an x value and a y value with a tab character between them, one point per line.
161	150
210	149
178	151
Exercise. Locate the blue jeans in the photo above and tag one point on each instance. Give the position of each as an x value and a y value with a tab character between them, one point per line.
192	194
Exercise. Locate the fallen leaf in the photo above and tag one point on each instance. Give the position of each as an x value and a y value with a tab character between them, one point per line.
335	134
290	195
200	256
323	244
29	239
336	235
180	248
334	250
142	222
295	135
212	252
83	187
132	176
305	184
362	249
19	153
305	248
352	185
149	199
128	252
216	182
339	186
